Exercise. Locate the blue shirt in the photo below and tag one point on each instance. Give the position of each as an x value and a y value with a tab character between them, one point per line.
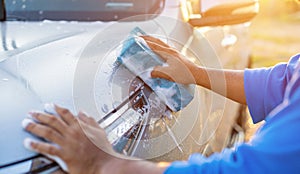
273	95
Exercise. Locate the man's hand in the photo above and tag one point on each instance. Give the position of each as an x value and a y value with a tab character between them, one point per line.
229	83
178	69
78	141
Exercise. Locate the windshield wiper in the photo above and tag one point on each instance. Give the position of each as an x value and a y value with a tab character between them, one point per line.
2	11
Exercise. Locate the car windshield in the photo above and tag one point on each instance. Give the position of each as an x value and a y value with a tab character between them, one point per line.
78	10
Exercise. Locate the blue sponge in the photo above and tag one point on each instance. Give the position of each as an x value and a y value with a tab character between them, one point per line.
140	60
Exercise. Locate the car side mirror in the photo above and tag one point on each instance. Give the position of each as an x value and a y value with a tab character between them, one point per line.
2	11
228	13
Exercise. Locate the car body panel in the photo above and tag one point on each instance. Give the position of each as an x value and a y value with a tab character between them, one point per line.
13	91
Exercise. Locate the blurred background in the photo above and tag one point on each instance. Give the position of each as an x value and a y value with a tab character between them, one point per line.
275	32
274	38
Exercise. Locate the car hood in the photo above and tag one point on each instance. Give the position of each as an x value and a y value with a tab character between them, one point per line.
50	48
37	64
45	56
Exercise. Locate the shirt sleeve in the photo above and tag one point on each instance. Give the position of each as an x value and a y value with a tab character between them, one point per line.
264	87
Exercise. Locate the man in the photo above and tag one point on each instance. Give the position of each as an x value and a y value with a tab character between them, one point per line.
272	94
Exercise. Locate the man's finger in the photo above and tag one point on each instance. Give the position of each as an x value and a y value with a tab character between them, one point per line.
42	131
161	50
160	72
51	151
66	115
42	147
50	120
155	40
88	120
158	49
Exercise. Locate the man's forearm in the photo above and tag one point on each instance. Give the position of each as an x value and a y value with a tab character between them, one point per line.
229	83
124	166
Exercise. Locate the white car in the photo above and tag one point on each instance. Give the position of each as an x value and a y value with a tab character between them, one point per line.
64	52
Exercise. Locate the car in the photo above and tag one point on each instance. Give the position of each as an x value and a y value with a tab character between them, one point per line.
65	52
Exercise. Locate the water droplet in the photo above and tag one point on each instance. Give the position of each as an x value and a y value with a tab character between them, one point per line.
14	2
116	104
27	85
170	132
41	12
23	6
104	108
229	40
5	79
169	115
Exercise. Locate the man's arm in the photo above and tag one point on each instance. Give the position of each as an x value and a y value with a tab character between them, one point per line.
234	82
229	83
124	166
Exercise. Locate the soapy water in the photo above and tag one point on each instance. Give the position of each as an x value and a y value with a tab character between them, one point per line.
150	109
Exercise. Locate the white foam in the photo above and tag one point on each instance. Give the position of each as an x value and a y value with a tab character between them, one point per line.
26	122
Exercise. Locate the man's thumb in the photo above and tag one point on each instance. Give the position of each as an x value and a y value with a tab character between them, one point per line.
160	72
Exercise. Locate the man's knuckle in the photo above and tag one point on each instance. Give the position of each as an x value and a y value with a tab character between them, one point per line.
52	150
38	116
31	126
65	111
91	119
75	132
52	119
48	133
35	145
